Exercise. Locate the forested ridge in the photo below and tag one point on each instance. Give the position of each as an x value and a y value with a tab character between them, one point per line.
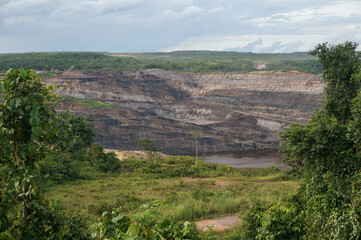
44	153
179	61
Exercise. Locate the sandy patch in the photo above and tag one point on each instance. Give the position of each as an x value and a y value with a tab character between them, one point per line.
260	66
126	154
130	154
219	224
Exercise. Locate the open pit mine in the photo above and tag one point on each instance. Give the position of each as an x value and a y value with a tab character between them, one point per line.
235	112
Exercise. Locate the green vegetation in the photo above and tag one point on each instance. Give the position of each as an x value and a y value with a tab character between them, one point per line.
143	226
149	147
180	61
66	61
89	103
188	192
326	151
28	132
80	129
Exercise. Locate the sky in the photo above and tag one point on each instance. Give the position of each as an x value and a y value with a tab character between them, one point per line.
119	26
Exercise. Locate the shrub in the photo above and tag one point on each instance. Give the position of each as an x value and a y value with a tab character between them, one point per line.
145	225
105	162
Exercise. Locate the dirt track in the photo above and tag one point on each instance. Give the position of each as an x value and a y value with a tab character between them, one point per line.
219	224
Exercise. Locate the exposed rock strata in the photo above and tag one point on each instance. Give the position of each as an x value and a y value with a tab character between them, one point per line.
234	111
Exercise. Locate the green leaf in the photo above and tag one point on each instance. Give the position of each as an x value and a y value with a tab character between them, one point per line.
24	74
116	219
32	121
17	102
37	120
32	149
50	134
72	142
36	130
133	231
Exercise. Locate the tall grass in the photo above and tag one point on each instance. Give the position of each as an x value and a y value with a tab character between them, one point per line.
186	200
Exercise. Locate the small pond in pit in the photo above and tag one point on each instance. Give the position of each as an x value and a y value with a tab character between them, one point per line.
249	159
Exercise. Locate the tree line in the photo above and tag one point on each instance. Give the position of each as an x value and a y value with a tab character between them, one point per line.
190	62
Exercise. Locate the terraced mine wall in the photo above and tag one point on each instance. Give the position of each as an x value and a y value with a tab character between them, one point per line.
235	112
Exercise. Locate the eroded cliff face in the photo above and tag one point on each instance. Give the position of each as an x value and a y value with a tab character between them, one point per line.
234	111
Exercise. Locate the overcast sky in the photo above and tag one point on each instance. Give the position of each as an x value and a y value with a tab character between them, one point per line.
167	25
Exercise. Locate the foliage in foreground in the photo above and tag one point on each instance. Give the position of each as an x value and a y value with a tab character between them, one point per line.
326	151
28	131
145	225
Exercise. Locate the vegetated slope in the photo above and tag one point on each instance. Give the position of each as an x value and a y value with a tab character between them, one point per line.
234	111
180	61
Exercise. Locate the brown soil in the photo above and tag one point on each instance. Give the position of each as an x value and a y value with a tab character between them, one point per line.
260	66
219	224
127	154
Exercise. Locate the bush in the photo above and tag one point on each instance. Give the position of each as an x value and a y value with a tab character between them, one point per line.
145	225
105	162
176	166
279	221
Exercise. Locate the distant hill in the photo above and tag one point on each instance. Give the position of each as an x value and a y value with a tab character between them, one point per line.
178	61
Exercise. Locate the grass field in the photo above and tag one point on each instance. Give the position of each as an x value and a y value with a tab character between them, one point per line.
211	192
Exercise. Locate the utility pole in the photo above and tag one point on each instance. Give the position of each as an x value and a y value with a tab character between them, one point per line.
196	134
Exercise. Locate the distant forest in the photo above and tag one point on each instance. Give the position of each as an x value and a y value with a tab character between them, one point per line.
178	61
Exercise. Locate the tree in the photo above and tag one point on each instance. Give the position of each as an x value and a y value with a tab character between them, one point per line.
28	129
340	63
324	143
196	134
149	147
80	129
58	167
105	162
326	151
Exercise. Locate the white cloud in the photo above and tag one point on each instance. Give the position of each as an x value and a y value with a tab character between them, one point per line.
287	1
20	19
150	25
252	43
188	12
333	12
94	9
216	10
